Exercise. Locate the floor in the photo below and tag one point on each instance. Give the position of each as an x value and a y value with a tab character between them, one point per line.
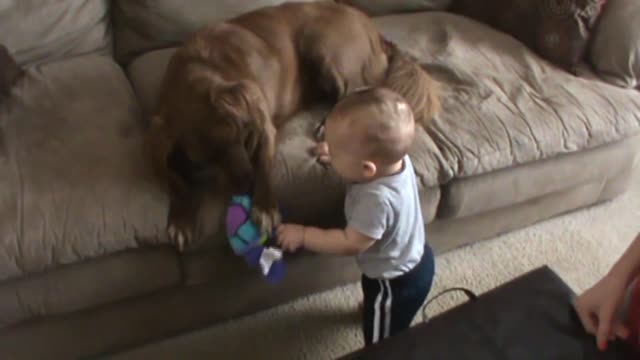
580	247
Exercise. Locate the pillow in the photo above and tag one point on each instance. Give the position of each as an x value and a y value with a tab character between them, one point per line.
40	31
384	7
558	30
615	51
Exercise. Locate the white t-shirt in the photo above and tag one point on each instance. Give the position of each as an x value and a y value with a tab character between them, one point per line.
388	210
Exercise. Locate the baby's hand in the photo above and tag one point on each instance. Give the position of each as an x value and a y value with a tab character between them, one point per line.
291	237
322	152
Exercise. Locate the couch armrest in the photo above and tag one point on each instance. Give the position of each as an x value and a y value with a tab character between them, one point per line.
615	49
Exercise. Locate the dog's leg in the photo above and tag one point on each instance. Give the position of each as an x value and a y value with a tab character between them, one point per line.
265	208
183	211
182	206
184	198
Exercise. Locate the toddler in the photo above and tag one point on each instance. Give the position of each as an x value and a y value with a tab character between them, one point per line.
368	135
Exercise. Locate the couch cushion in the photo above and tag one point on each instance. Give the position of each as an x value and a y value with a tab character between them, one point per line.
558	30
502	104
108	279
384	7
36	31
143	25
74	181
450	233
615	51
500	189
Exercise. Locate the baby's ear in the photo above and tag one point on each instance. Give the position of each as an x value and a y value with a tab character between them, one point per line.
369	169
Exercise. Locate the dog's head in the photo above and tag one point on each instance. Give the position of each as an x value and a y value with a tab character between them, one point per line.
216	144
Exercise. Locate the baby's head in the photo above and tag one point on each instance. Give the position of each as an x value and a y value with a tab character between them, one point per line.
368	133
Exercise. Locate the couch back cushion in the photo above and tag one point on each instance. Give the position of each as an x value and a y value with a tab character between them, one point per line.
143	25
384	7
615	52
38	31
557	30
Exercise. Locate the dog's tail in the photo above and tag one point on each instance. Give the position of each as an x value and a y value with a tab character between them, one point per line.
406	77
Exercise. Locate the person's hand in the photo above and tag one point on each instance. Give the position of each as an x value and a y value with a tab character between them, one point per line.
291	237
598	310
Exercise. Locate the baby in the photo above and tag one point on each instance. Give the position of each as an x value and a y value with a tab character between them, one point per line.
368	135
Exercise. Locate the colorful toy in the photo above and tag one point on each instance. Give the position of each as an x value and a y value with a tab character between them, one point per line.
248	241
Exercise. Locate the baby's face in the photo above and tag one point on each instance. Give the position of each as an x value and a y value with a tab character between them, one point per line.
345	159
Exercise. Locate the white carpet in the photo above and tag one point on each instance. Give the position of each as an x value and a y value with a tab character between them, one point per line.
580	247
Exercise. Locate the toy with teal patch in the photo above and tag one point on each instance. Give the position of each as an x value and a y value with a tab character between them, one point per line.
247	240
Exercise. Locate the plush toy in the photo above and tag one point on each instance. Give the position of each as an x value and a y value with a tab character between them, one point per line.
248	241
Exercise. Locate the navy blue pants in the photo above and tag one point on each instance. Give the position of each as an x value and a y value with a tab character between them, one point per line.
390	305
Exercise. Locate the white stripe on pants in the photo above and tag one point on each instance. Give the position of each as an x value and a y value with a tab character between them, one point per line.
387	310
377	308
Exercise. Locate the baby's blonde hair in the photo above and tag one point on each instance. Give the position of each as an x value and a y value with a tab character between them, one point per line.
382	119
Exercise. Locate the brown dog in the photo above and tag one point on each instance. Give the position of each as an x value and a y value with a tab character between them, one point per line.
232	84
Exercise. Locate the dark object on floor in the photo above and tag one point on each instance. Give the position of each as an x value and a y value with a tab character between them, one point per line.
530	317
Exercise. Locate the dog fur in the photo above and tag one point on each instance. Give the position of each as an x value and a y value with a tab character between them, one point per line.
231	85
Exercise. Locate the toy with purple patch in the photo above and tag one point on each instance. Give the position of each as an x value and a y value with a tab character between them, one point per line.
248	241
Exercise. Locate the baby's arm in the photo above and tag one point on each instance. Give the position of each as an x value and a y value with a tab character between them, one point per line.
367	223
336	241
332	241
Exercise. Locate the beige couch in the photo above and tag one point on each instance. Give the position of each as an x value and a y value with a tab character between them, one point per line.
85	264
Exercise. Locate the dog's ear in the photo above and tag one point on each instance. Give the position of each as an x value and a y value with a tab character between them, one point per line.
244	105
241	102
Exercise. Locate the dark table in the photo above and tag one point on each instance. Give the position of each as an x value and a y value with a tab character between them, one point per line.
528	318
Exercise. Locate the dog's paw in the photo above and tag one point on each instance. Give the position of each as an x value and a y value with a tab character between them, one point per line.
267	220
322	153
180	233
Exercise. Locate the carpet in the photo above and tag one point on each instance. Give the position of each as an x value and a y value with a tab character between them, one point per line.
580	247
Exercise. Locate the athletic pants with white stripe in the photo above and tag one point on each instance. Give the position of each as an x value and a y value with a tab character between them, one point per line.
390	305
